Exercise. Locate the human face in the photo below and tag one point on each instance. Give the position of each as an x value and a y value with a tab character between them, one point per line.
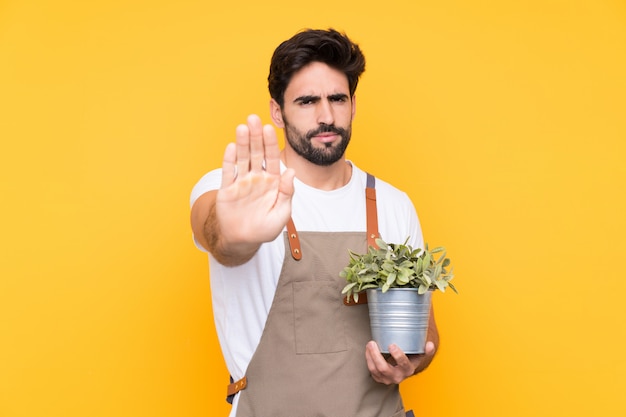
317	114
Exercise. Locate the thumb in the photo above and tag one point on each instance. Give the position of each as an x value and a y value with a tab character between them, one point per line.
285	187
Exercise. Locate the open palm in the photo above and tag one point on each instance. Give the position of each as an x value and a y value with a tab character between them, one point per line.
254	201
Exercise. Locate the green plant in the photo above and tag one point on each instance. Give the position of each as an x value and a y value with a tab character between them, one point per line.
397	266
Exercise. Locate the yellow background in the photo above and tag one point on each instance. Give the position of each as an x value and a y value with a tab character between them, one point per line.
504	121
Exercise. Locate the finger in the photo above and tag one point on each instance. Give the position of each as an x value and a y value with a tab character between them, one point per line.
375	361
429	349
285	187
256	143
371	364
402	360
228	165
243	150
272	153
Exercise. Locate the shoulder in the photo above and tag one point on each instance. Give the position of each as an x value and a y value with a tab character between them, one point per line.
397	216
209	182
384	190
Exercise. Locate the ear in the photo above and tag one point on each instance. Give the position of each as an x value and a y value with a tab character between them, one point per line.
276	114
353	106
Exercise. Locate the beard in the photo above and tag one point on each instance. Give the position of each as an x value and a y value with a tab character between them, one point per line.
324	156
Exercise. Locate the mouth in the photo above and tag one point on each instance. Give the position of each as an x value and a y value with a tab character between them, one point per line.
326	137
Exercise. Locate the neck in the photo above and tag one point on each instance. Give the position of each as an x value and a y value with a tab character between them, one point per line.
327	177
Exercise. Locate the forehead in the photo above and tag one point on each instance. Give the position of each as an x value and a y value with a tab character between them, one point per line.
316	79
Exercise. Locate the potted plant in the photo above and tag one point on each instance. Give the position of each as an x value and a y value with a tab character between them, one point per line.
399	281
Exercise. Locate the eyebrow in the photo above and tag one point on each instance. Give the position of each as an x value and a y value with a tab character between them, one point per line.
337	96
306	98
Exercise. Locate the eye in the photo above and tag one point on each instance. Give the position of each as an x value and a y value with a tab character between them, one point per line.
338	99
306	100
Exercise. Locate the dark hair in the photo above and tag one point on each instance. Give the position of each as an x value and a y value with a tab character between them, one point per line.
328	46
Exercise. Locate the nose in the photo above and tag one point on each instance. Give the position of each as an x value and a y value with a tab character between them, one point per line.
325	113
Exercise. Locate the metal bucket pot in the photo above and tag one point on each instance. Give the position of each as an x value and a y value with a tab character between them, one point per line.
399	316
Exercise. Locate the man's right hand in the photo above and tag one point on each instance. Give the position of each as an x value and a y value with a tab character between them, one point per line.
254	201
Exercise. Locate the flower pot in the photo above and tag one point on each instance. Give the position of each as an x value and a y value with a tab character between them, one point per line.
399	316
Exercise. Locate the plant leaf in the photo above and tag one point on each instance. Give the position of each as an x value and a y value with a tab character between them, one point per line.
348	287
437	272
404	276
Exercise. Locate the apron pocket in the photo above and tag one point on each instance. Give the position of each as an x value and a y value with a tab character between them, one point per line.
318	325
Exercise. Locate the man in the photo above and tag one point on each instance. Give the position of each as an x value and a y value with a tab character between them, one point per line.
278	226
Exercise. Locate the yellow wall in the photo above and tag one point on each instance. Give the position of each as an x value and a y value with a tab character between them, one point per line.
504	121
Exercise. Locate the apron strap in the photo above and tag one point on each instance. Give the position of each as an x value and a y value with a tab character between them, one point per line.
372	230
371	210
235	387
294	241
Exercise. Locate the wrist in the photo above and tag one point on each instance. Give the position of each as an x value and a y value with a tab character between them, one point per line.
228	253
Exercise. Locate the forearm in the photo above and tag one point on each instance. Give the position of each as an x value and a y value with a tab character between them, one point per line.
226	253
433	336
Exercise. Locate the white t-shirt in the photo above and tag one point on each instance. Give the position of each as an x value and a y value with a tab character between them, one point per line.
243	295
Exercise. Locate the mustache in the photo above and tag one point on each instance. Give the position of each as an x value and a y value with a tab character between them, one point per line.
324	128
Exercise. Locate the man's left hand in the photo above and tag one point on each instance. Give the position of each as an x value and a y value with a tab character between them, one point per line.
397	367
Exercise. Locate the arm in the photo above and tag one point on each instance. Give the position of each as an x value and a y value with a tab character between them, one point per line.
400	366
253	203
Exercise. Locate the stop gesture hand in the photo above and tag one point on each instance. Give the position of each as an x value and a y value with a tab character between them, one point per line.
254	201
